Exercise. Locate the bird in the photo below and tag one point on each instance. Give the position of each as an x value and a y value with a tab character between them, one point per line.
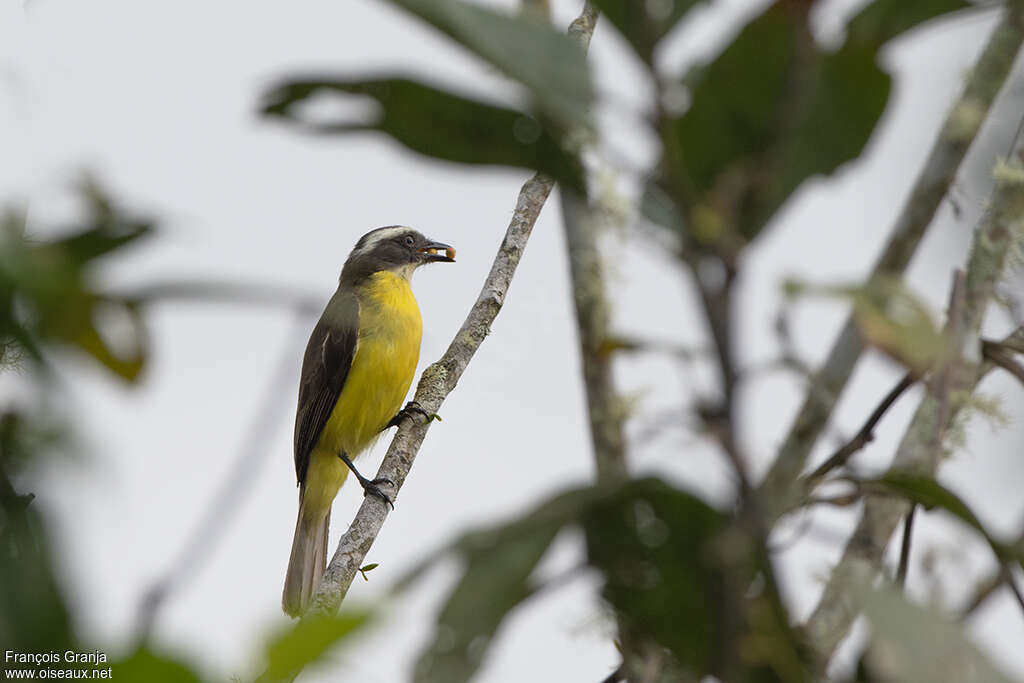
357	369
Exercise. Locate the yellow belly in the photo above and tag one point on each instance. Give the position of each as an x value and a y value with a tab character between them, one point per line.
382	370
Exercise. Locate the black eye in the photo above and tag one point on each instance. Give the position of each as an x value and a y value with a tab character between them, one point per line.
409	241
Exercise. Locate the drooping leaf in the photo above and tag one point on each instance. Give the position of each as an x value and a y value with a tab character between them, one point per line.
882	20
846	99
890	318
775	108
680	572
48	294
738	98
307	641
495	580
551	66
497	563
437	123
929	493
772	110
87	245
34	615
920	645
145	665
675	570
644	24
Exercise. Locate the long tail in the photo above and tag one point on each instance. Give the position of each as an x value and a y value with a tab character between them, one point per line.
308	559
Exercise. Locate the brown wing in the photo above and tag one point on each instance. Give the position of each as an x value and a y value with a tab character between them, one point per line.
329	354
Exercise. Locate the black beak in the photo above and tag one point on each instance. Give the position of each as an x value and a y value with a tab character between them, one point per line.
437	252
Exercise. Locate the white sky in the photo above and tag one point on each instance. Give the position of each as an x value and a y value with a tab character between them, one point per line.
158	100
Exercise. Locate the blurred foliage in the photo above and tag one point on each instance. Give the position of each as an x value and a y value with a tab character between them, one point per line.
930	494
306	642
678	571
33	612
49	292
546	62
891	318
775	108
643	25
915	644
145	665
738	136
437	123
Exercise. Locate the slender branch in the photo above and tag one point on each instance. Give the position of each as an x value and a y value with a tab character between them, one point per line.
1011	583
984	591
920	448
931	186
1002	577
215	291
437	382
904	565
999	355
864	436
604	407
249	461
616	676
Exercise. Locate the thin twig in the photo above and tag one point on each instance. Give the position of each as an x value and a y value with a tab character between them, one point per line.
864	436
1011	583
1002	577
604	407
904	565
985	590
920	448
932	184
437	382
999	355
227	501
214	291
616	676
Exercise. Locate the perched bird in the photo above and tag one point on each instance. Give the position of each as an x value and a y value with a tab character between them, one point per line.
358	366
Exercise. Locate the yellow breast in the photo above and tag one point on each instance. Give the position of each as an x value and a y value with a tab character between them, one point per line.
382	370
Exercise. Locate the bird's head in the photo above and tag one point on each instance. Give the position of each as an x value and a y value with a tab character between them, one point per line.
395	248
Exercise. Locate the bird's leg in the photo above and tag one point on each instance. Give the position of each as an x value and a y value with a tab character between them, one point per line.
411	408
370	486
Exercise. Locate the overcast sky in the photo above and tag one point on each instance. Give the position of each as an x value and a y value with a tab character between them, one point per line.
158	100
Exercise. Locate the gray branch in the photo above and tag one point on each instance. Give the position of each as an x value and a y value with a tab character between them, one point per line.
921	448
440	379
604	407
958	132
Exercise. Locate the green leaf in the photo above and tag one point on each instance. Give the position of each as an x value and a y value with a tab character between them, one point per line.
47	293
883	20
929	493
307	641
678	570
439	124
774	109
144	665
847	97
91	243
653	545
498	569
919	645
33	613
497	564
890	318
643	23
529	51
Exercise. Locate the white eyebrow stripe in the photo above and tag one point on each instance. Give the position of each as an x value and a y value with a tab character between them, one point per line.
378	236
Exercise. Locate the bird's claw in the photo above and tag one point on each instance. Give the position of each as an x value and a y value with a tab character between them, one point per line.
371	488
412	408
